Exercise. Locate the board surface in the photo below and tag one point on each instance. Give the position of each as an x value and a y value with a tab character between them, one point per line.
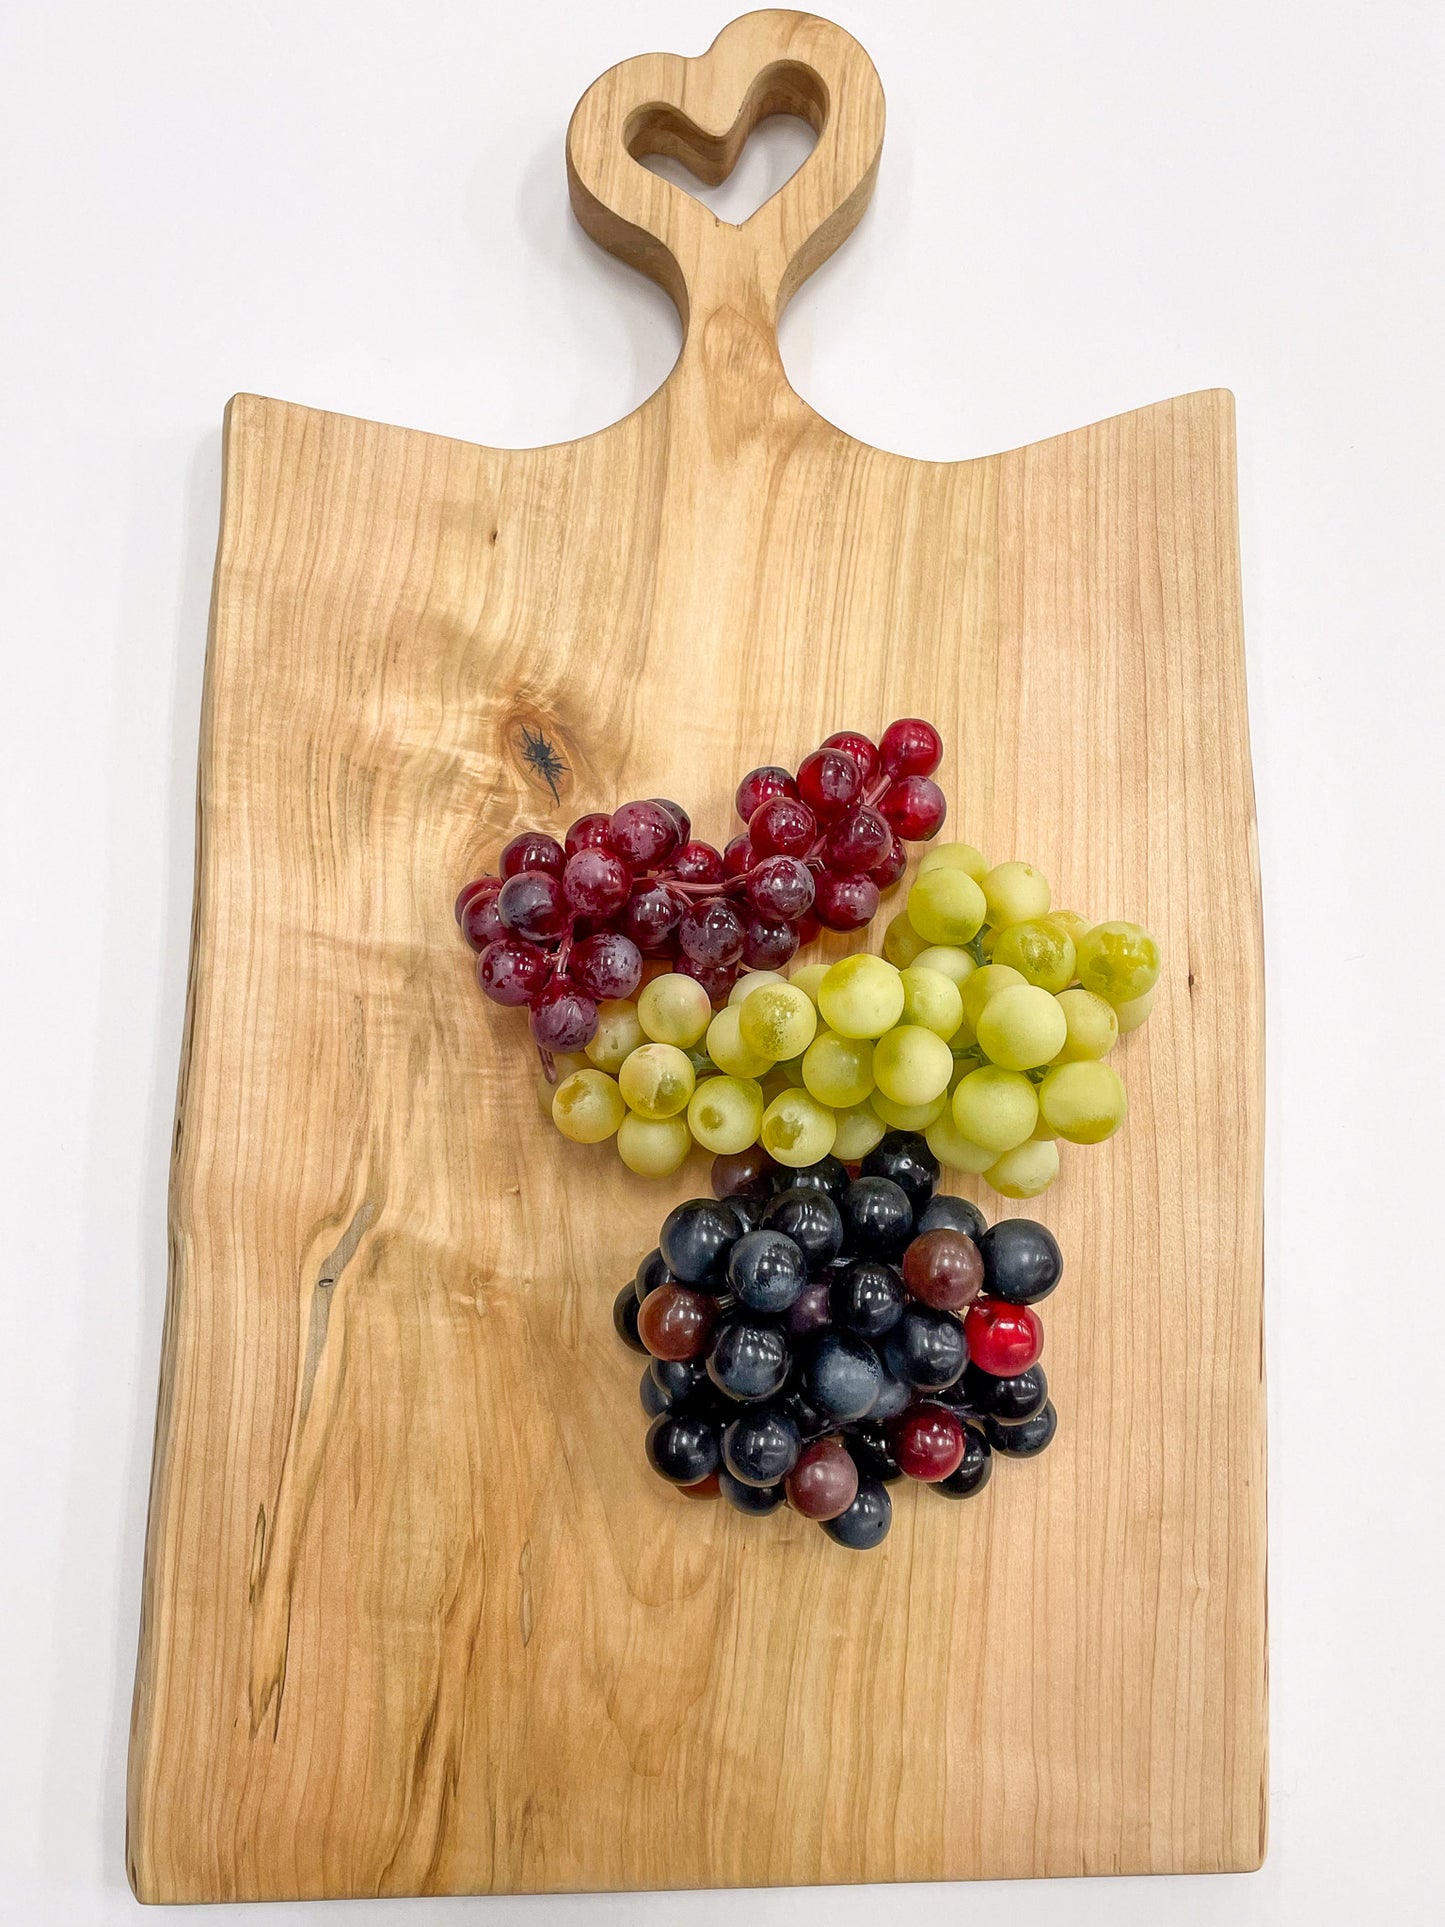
417	1618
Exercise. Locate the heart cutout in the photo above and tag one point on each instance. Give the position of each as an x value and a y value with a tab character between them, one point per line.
772	154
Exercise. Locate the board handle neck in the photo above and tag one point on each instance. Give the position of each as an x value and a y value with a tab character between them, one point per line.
701	111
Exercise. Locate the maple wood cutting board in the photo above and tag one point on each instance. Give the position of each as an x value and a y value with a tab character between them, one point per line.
417	1616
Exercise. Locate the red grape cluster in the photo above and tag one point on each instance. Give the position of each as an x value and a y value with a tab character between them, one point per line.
566	926
814	1336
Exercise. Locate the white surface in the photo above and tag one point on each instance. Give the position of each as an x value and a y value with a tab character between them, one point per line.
1081	209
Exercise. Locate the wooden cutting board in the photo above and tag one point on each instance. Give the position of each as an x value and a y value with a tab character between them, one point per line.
417	1618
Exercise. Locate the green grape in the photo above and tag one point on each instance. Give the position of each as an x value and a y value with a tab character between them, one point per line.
618	1034
792	1070
859	1128
564	1063
1043	1132
727	1050
587	1107
955	963
657	1080
954	856
807	979
946	906
1069	924
653	1147
1092	1026
912	1065
1084	1103
861	996
1039	950
1015	893
901	942
1134	1013
1119	962
674	1009
952	1148
1026	1170
778	1021
931	999
909	1117
982	985
726	1113
839	1070
995	1108
797	1129
752	980
1022	1027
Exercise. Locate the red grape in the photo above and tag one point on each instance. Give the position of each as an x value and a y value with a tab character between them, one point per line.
589	832
738	856
862	749
678	814
781	886
563	1018
857	841
532	850
606	966
943	1268
676	1323
768	942
761	786
911	747
481	921
824	1482
711	932
845	902
716	979
532	905
644	834
891	865
651	918
782	827
915	807
808	928
472	889
928	1442
1003	1340
698	863
595	883
512	972
829	783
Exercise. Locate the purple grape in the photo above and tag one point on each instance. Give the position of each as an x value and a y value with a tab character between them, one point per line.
716	979
711	933
858	841
606	966
845	902
481	921
644	834
651	918
769	942
698	863
738	856
678	814
595	883
761	786
532	905
532	850
781	886
563	1018
891	865
513	972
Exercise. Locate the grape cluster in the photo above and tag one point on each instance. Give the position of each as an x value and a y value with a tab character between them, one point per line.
565	928
814	1337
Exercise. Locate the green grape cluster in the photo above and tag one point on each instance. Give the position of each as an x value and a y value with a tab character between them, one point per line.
984	1025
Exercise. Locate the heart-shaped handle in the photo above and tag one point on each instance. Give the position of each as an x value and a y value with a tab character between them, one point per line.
701	111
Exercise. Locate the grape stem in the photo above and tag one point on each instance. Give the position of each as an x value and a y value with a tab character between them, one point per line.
549	1064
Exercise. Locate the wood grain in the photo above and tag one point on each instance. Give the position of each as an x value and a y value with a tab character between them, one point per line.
416	1616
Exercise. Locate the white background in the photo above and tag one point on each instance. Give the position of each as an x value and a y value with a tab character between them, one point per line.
1081	209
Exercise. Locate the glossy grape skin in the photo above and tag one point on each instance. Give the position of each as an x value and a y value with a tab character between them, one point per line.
845	902
877	1218
652	1275
780	886
608	966
812	1310
928	1442
812	1220
954	1214
532	850
683	1447
745	1174
512	972
865	1523
716	979
761	1446
910	747
1002	1339
925	1348
697	862
595	883
678	814
893	862
1027	1440
643	834
841	1376
973	1469
683	1383
811	1423
782	827
760	786
894	1396
757	1500
861	748
675	1322
1022	1262
829	783
483	885
532	906
480	920
867	1298
904	1157
942	1268
650	917
737	856
859	840
695	1241
590	832
1009	1400
562	1018
914	808
624	1317
749	1361
768	942
766	1271
653	1399
872	1451
824	1482
829	1174
711	932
